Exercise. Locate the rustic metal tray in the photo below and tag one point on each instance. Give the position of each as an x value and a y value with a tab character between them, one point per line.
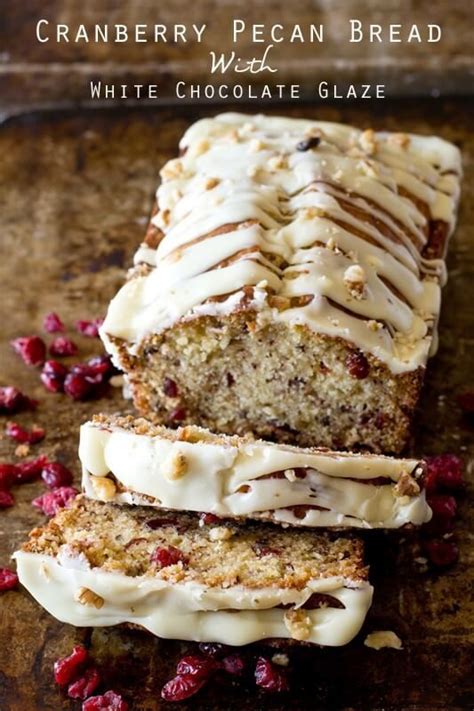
77	190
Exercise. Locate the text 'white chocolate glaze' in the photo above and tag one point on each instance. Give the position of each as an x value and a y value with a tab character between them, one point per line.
296	226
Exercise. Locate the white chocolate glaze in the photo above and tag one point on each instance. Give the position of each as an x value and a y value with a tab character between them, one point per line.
225	479
296	221
234	616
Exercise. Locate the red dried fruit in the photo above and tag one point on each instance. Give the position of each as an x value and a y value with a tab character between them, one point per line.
77	386
31	349
8	579
68	668
196	665
29	470
444	511
19	434
155	523
357	365
52	323
207	519
12	400
168	556
170	388
85	685
55	475
6	499
214	649
110	701
55	500
62	347
441	553
234	664
444	472
53	375
177	415
466	402
182	687
89	328
270	677
8	474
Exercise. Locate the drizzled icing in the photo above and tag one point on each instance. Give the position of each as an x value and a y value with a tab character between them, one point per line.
247	217
189	611
236	480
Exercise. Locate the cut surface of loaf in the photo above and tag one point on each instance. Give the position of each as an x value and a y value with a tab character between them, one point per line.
289	283
129	460
98	564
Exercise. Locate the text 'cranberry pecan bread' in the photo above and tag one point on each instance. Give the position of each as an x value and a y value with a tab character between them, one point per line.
127	460
289	283
98	564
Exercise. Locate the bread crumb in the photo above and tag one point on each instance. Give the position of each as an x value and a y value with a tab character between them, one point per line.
22	450
220	533
85	596
383	639
282	660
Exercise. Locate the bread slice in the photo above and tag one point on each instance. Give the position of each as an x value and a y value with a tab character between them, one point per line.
289	283
97	564
129	460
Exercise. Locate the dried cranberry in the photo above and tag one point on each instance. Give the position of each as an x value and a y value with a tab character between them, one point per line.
177	415
214	649
55	500
308	143
105	702
32	349
12	400
19	434
182	687
8	579
62	346
234	664
77	386
270	677
357	365
85	685
100	365
170	388
52	323
155	523
6	499
195	665
68	668
207	519
466	402
441	553
53	375
110	701
8	474
89	328
443	472
29	470
55	474
444	512
168	556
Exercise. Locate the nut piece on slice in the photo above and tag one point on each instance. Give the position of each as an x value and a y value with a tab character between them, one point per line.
89	597
104	488
298	624
175	466
383	638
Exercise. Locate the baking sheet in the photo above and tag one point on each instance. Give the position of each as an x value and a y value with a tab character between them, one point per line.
76	192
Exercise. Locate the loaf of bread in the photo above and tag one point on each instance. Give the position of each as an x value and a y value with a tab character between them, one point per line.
289	282
130	461
98	564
